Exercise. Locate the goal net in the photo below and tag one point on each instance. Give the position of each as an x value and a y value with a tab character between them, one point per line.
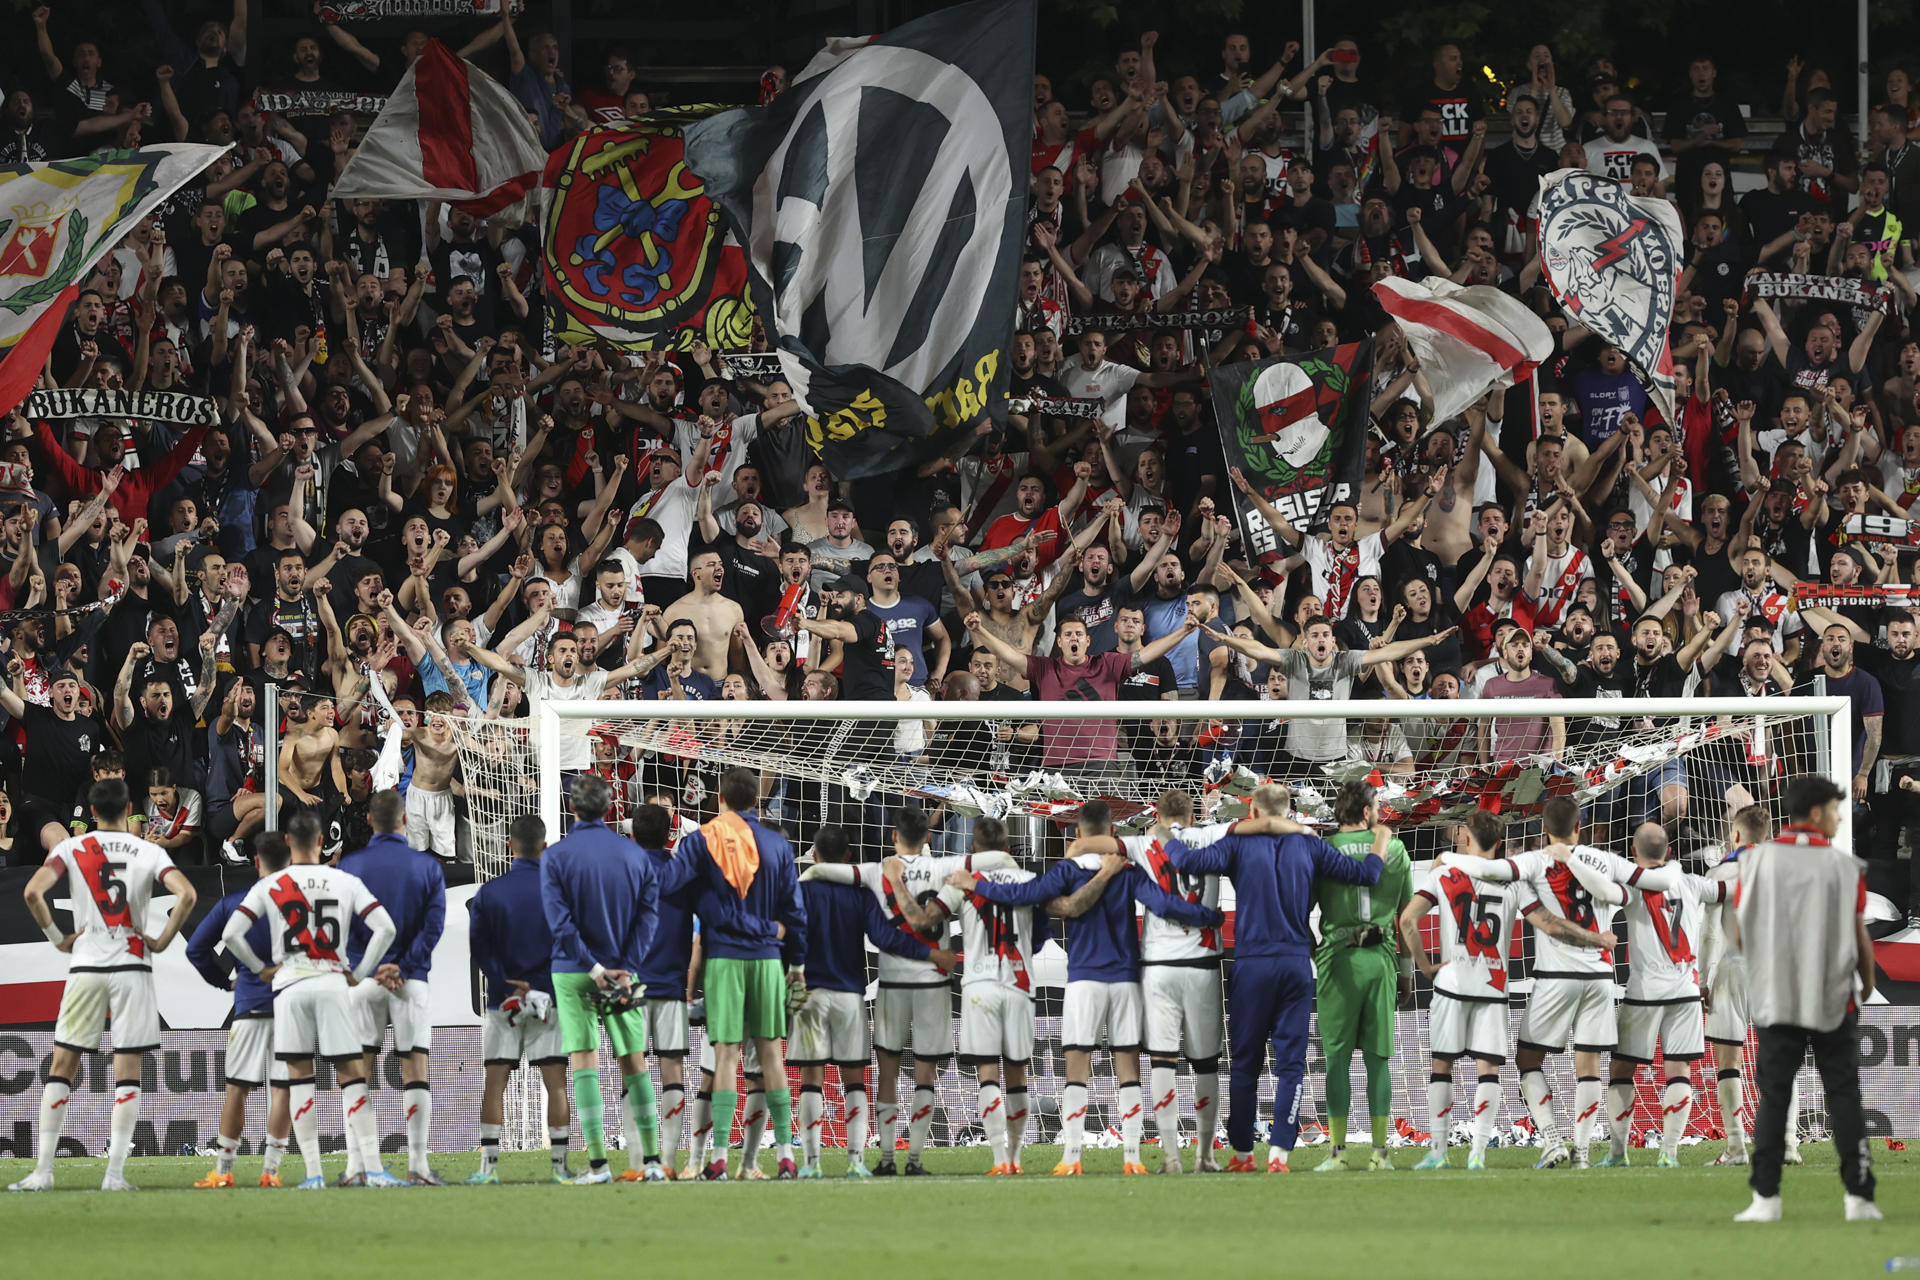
1686	764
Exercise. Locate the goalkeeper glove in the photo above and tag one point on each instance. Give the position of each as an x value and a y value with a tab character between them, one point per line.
797	992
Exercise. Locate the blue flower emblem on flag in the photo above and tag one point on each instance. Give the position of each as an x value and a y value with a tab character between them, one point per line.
654	226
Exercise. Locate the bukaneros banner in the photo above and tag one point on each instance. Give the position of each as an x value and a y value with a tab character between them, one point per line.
1612	260
637	254
1800	284
334	12
175	408
1112	321
1296	425
881	201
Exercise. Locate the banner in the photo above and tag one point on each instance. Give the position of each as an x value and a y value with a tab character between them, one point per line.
175	408
758	365
1613	261
1884	530
1108	322
334	12
1296	425
319	102
1068	408
449	132
636	254
1895	595
64	217
1471	339
882	203
1796	284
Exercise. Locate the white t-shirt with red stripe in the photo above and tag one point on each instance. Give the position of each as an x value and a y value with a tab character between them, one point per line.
309	910
111	876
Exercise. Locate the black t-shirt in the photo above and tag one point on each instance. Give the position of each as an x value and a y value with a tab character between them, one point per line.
1192	455
165	743
1691	114
1900	691
868	672
1094	606
1662	678
750	580
1459	107
57	762
1770	216
1516	174
1588	683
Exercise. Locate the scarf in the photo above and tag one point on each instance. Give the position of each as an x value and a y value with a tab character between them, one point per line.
730	841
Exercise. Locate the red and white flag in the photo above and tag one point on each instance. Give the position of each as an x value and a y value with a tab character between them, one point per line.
449	132
1471	339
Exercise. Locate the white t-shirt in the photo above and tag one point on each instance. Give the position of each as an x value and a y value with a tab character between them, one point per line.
1615	159
576	750
1109	384
673	508
111	876
729	445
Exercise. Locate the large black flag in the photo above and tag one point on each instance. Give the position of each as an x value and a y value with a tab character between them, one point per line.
881	201
1297	426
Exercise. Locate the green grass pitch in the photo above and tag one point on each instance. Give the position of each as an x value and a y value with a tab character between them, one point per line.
1507	1221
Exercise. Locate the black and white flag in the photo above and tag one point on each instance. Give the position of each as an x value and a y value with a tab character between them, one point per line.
882	202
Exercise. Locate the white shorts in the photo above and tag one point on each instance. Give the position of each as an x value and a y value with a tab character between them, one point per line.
1460	1028
1180	999
996	1024
1678	1027
250	1059
1563	1011
406	1010
1727	1019
667	1028
1097	1013
749	1057
92	998
916	1018
508	1037
830	1027
314	1018
430	821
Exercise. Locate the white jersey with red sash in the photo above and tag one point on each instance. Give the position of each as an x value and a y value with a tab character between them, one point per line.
998	938
1165	941
1560	581
1663	939
1336	569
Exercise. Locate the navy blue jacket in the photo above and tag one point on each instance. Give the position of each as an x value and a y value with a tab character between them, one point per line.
602	898
1103	945
250	995
411	886
838	917
664	970
1273	885
772	898
507	932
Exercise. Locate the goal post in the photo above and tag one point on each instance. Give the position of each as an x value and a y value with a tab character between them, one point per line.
855	764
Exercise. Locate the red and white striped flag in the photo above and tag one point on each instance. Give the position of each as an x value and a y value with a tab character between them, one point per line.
1471	339
449	132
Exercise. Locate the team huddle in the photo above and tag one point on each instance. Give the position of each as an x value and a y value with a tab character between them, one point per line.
600	933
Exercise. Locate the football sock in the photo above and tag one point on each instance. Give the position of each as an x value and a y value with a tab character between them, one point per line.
419	1124
1016	1122
1676	1107
1533	1091
227	1148
889	1114
126	1114
1073	1122
641	1116
1733	1109
558	1137
725	1103
673	1115
702	1134
1620	1096
1379	1097
921	1123
780	1106
592	1110
812	1108
306	1125
753	1127
1793	1112
859	1115
1486	1112
53	1116
993	1118
1131	1121
276	1151
1206	1109
1166	1108
1439	1109
1588	1095
362	1130
490	1146
1339	1098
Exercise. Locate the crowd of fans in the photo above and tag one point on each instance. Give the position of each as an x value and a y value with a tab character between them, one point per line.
406	489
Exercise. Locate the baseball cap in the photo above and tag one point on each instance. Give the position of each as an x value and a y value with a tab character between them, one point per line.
851	582
839	504
1124	273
